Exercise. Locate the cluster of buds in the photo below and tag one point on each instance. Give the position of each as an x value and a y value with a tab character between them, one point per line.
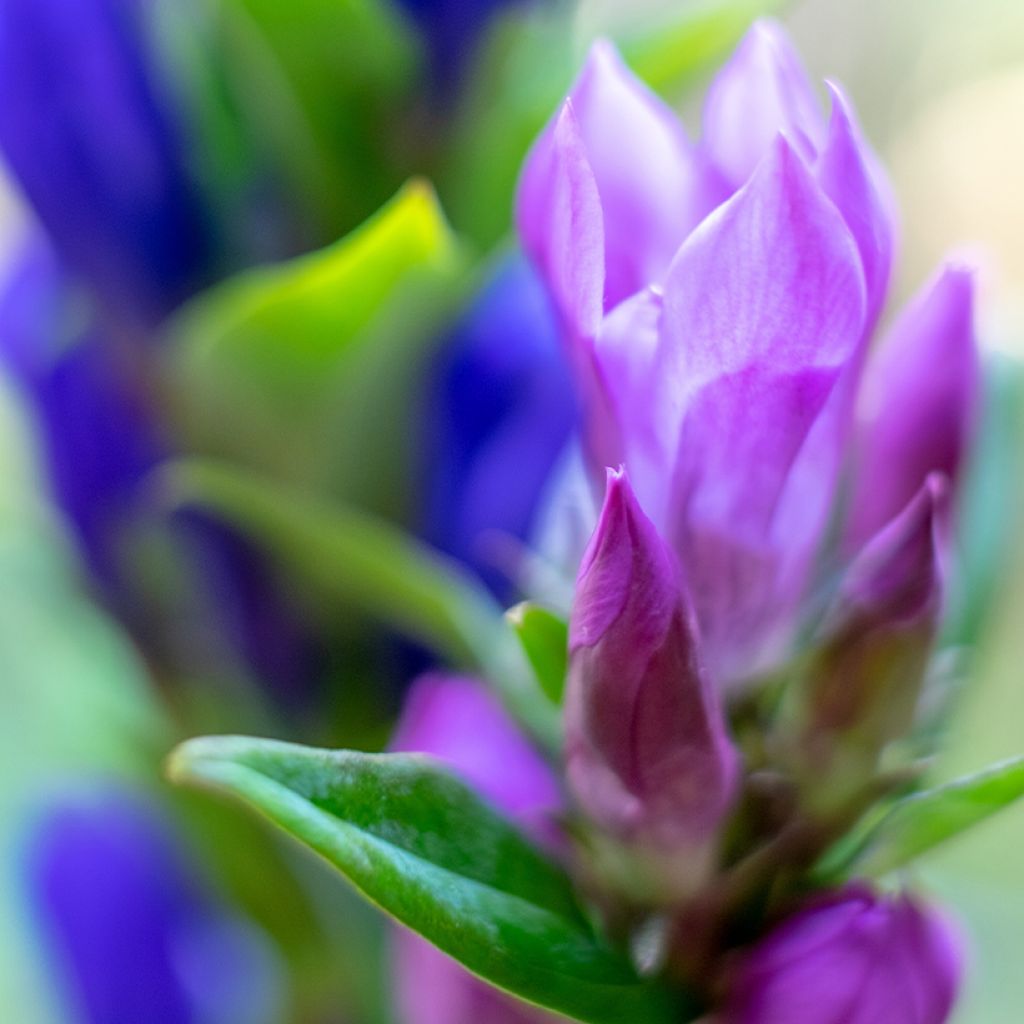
755	614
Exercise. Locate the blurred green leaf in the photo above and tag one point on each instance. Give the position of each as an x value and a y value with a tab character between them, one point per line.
545	638
428	851
349	557
308	84
918	823
310	369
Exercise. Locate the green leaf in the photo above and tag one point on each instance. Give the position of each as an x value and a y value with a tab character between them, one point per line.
920	822
308	369
347	556
545	638
424	848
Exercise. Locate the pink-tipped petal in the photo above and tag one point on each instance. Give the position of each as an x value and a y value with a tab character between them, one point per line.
852	177
763	313
558	212
917	403
761	92
654	185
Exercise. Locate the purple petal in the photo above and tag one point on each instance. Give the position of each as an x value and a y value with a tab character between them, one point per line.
917	403
653	185
865	680
763	312
458	721
852	177
647	756
432	988
761	92
558	212
850	958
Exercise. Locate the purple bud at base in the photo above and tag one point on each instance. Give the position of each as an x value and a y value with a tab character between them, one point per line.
853	957
648	758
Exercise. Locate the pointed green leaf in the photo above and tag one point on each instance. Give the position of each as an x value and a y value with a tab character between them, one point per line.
349	557
918	823
308	369
423	847
545	639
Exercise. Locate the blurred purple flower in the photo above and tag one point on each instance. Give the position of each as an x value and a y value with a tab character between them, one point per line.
851	958
499	416
90	136
99	441
97	434
718	298
456	720
647	756
133	935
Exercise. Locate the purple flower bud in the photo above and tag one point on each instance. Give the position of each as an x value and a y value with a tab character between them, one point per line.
851	958
717	297
458	721
647	755
866	680
917	403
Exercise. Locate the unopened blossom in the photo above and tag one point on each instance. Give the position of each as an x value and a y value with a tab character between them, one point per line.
647	755
456	720
718	299
853	957
866	677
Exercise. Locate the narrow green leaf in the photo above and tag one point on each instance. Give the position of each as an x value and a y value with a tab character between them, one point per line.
918	823
423	847
545	638
348	557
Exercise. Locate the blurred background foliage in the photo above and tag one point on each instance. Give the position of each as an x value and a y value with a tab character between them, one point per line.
353	169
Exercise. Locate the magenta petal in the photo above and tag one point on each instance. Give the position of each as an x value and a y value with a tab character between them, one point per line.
852	958
896	579
432	988
558	212
762	91
647	756
458	721
917	403
763	312
654	186
852	177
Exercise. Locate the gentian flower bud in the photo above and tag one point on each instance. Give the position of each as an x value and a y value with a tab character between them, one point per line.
866	680
94	145
917	403
500	414
716	297
851	958
458	721
647	756
132	932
